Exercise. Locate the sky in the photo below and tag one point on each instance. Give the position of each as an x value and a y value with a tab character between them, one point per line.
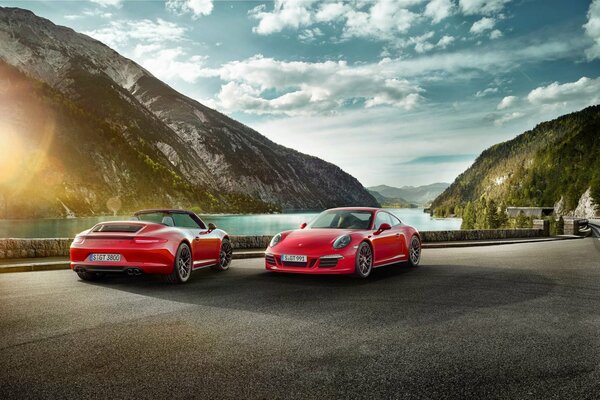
396	92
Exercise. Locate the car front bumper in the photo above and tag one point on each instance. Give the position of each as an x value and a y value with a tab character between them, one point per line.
334	263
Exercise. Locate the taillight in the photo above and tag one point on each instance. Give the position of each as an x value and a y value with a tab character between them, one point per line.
149	240
78	240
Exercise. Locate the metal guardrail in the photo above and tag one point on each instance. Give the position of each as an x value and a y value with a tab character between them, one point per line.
594	227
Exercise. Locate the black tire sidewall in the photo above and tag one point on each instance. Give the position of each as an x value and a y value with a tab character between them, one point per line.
218	266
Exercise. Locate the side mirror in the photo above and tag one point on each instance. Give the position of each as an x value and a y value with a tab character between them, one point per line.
303	225
211	227
384	227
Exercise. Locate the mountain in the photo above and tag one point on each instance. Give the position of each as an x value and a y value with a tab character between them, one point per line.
420	195
391	202
556	163
98	128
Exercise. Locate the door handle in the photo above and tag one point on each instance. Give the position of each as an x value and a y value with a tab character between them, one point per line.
397	234
197	238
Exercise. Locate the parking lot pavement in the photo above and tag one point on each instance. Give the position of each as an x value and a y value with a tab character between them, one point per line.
512	321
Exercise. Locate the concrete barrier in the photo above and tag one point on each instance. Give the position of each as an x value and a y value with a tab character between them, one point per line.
34	248
480	234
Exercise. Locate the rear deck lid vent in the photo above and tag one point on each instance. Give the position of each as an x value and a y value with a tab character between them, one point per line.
122	228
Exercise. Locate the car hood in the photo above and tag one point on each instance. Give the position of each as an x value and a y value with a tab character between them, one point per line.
314	237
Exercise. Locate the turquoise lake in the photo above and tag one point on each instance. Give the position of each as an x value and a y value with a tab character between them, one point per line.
246	224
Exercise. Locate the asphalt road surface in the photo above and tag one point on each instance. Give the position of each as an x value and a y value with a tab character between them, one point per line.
515	321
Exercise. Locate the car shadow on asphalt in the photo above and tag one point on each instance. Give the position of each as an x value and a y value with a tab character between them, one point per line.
393	293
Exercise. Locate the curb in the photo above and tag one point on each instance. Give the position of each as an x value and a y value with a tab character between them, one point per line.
446	245
241	255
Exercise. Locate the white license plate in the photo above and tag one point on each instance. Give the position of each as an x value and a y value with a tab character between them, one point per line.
105	257
292	258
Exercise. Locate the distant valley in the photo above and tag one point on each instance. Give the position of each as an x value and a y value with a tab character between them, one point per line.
407	196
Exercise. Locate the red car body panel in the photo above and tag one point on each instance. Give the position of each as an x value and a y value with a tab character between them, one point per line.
152	249
389	247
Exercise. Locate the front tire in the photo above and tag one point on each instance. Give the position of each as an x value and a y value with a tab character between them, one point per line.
364	261
182	270
225	256
414	252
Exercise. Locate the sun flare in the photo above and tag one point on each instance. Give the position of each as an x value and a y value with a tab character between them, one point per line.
11	155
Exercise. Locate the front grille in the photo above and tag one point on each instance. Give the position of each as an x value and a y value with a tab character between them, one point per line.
294	264
270	259
328	262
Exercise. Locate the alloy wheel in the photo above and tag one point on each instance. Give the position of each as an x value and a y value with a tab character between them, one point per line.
415	250
184	263
226	254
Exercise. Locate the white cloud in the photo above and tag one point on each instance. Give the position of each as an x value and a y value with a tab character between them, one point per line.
384	20
592	29
482	7
170	63
495	34
106	3
197	8
482	25
331	11
445	41
423	43
508	117
309	35
507	102
119	33
309	88
485	92
89	13
438	10
285	14
305	88
378	20
581	93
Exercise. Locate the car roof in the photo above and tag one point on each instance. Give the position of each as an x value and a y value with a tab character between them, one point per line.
371	209
164	210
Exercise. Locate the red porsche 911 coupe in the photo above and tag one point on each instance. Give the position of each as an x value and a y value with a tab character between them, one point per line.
345	241
172	243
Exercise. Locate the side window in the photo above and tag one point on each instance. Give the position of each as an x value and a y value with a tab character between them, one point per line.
184	221
382	218
395	220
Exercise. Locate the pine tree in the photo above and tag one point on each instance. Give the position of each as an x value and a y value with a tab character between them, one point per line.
492	215
481	214
521	221
468	217
502	217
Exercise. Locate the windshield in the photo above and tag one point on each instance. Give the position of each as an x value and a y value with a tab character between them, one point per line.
343	219
155	217
180	220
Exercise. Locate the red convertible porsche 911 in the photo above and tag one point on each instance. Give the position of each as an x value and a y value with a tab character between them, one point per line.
169	242
345	241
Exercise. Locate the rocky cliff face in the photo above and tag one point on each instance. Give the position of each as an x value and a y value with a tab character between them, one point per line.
135	138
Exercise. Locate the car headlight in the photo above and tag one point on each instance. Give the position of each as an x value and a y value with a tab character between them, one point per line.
276	239
341	242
